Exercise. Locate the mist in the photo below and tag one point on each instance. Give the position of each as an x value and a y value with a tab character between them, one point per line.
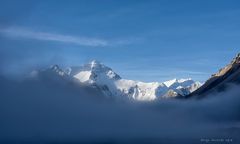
46	110
143	42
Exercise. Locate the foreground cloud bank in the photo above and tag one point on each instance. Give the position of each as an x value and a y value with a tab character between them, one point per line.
44	110
53	108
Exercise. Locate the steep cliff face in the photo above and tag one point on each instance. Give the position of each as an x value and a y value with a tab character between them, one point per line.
230	74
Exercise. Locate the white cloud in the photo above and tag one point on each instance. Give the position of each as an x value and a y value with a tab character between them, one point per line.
194	72
46	36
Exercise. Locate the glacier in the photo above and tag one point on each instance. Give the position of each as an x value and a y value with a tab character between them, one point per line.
111	84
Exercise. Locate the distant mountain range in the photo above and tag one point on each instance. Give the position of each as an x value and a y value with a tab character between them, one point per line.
96	74
110	84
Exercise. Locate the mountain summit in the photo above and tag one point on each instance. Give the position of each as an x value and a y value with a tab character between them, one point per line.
92	72
111	84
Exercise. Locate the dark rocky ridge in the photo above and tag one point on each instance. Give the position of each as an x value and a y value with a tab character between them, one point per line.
218	82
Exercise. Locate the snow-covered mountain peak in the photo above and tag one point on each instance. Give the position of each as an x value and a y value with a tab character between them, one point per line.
110	83
94	63
93	72
170	82
184	80
95	66
174	83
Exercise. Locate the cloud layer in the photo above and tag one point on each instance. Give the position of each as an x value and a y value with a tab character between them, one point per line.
51	110
46	36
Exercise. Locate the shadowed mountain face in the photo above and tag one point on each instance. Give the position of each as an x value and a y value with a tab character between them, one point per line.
220	81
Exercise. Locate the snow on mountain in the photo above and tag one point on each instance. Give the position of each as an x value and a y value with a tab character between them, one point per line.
183	91
83	76
96	73
111	84
92	72
140	90
181	82
170	82
181	87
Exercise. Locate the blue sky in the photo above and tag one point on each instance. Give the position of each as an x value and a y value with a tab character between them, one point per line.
147	40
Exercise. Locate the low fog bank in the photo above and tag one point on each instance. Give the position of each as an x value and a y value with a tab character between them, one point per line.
46	110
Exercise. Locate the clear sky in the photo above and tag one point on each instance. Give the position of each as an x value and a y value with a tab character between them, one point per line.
147	40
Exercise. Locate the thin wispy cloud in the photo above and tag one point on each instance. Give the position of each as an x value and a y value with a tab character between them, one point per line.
47	36
193	72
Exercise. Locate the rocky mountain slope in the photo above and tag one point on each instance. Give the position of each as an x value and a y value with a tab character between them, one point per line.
218	82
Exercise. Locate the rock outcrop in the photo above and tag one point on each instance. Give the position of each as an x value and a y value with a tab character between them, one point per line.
218	82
